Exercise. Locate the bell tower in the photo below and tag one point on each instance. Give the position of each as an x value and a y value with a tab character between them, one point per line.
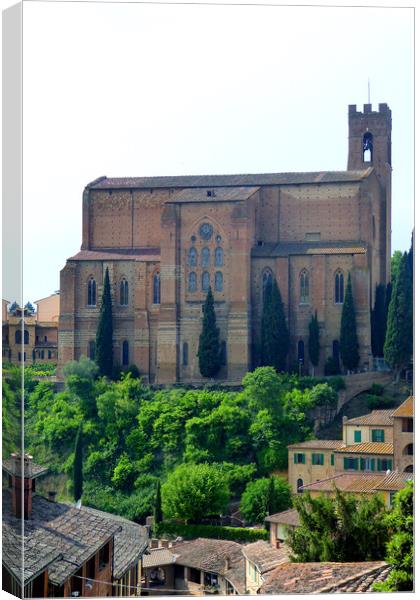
370	146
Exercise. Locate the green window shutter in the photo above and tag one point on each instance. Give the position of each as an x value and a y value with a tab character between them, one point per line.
356	464
363	464
332	460
321	456
346	463
295	459
357	436
303	459
390	464
379	464
372	464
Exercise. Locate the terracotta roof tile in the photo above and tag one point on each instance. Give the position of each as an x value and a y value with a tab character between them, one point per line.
376	417
159	557
310	578
186	181
287	517
307	248
347	482
265	556
36	470
368	448
395	481
138	255
221	194
406	409
318	444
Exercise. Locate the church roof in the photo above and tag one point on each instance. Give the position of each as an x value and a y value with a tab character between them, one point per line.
258	179
287	248
222	194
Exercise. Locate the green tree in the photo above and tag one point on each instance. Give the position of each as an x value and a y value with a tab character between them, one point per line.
274	331
398	347
400	548
104	333
338	528
395	264
378	321
78	465
157	513
349	345
192	492
209	356
263	497
313	345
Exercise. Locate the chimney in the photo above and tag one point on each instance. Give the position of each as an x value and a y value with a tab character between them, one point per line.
164	543
227	563
154	543
52	496
345	419
21	487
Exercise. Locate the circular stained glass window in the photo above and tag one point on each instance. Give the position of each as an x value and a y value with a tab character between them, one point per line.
206	231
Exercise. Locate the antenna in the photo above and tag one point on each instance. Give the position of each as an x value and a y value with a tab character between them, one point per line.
368	91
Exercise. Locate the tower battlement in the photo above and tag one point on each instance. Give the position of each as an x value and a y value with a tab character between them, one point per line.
383	109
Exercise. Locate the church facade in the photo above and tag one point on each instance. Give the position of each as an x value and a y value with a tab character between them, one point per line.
165	240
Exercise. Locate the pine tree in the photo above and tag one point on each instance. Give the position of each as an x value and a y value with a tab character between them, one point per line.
78	465
158	515
274	332
349	345
313	345
398	345
209	346
103	349
378	321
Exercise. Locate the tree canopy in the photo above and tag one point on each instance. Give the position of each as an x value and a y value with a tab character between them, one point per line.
263	497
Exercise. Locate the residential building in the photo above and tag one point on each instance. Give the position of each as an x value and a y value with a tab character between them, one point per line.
310	461
166	240
403	436
31	336
280	524
377	426
260	559
68	551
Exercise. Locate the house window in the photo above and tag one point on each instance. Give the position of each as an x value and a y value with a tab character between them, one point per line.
156	288
409	450
124	293
332	460
185	354
91	296
218	257
299	485
45	338
339	287
103	556
304	287
192	257
367	464
351	464
384	464
336	351
317	459
301	352
205	257
218	281
125	353
49	354
42	354
90	568
192	282
407	425
91	349
299	458
267	282
357	437
378	435
205	281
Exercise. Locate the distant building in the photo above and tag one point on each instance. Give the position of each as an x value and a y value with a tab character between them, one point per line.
166	240
68	551
31	336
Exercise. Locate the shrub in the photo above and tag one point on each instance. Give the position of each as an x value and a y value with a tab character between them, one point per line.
375	402
235	534
377	389
331	366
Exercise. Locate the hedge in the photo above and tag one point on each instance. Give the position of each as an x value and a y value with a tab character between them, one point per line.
235	534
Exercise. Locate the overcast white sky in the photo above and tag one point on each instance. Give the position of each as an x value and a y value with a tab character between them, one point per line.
132	90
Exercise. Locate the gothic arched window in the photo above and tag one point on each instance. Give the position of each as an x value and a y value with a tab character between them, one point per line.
205	281
339	287
192	257
304	287
192	282
18	336
267	282
26	337
301	351
336	351
368	147
205	257
218	257
91	350
299	485
218	281
91	295
125	353
124	292
185	354
156	288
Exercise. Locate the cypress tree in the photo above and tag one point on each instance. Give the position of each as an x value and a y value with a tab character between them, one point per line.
103	350
78	465
313	345
158	515
349	345
378	321
209	346
398	345
274	332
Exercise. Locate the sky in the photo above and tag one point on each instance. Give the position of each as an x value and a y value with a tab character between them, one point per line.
135	89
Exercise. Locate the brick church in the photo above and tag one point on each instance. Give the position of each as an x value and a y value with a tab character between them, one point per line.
165	240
